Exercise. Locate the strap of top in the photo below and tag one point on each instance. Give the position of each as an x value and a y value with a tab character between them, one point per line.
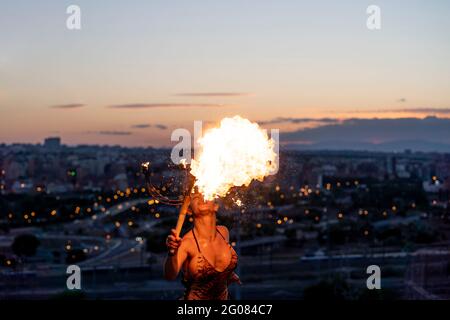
196	242
221	235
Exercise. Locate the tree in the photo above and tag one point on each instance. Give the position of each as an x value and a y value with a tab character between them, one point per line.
25	245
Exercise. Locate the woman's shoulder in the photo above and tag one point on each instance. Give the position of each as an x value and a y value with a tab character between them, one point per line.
223	230
188	235
221	227
188	241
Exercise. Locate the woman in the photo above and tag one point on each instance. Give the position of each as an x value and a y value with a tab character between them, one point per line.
204	254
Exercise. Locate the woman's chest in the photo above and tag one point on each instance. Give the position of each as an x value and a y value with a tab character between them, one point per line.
215	258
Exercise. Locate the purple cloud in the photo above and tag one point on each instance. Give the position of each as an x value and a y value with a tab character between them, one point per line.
114	133
299	120
68	106
160	126
141	126
164	105
145	126
213	94
426	110
375	131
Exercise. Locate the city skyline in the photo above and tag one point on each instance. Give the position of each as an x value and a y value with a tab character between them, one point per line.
135	72
107	191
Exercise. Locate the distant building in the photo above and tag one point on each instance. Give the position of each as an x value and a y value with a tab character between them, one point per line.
52	143
22	187
432	186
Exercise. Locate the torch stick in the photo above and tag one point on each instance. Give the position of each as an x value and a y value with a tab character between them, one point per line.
184	207
182	214
181	217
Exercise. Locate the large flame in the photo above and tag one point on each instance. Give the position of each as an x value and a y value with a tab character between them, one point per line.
234	154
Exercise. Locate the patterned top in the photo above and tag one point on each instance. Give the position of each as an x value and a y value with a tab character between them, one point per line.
208	283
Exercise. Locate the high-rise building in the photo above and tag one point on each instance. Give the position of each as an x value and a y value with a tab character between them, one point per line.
52	143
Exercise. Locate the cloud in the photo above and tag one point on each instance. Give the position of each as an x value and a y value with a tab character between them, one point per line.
141	126
425	110
164	105
213	94
299	120
114	133
160	126
375	131
420	110
145	126
68	106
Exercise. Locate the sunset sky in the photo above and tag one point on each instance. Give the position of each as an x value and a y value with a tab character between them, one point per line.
138	69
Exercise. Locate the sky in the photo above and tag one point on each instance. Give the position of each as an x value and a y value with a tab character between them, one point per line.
139	69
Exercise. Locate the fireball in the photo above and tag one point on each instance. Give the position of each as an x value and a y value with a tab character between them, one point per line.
233	154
